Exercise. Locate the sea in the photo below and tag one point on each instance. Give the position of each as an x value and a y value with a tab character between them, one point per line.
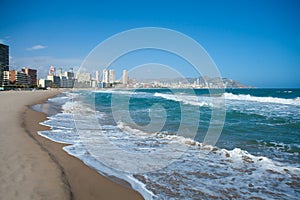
184	143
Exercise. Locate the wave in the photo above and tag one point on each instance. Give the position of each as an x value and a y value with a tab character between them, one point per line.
204	101
79	151
236	152
121	92
186	99
292	148
159	135
247	97
203	169
112	91
215	169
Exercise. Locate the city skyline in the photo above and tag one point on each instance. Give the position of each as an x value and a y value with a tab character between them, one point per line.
58	78
254	42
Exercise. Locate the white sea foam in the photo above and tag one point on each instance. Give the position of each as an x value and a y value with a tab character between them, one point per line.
187	99
122	92
134	131
59	99
223	168
110	91
60	136
159	135
243	97
203	169
216	172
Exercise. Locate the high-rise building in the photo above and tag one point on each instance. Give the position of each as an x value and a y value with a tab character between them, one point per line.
32	75
44	83
83	77
11	77
59	72
124	77
22	79
97	76
54	79
105	76
4	61
109	76
69	74
59	79
67	79
6	78
52	70
14	77
112	76
83	80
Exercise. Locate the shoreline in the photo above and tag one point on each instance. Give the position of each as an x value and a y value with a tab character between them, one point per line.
31	124
72	179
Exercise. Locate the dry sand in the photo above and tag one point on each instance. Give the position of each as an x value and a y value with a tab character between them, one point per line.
33	167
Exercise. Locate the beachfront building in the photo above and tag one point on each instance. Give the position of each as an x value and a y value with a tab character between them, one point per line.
124	77
24	78
112	76
66	78
66	82
55	80
105	74
32	76
16	78
44	83
108	77
58	79
52	70
97	77
6	78
4	61
83	80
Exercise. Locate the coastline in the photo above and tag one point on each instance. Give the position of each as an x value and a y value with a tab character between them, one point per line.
52	174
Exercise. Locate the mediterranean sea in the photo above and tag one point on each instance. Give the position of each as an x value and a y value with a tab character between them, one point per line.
155	140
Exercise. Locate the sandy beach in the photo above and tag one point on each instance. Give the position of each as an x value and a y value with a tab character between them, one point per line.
33	167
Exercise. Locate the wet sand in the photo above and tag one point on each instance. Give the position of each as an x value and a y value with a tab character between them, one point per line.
33	167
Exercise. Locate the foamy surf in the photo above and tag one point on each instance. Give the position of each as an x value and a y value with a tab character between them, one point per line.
242	97
187	99
202	171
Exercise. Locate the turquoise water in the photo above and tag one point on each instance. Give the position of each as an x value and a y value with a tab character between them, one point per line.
256	156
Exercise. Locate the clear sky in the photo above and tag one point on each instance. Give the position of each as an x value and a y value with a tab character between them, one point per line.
256	42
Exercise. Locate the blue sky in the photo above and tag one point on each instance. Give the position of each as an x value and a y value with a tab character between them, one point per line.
255	42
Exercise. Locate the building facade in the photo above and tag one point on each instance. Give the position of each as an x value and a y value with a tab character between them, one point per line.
67	80
55	80
32	75
112	76
4	61
83	80
97	76
6	78
44	83
58	79
108	77
124	77
15	78
105	76
22	79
